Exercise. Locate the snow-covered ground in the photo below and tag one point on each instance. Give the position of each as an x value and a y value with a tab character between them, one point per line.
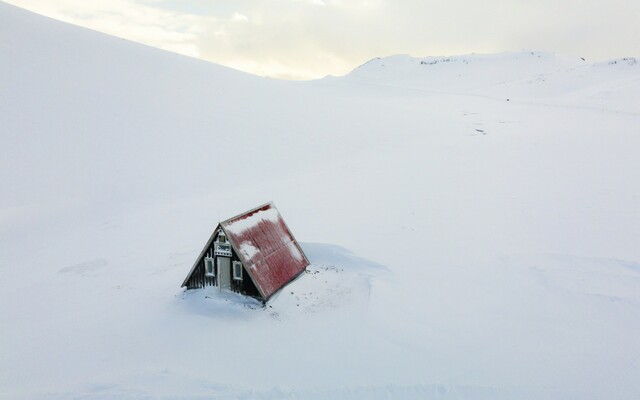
473	224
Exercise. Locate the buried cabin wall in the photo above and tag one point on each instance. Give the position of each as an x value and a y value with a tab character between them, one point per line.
199	280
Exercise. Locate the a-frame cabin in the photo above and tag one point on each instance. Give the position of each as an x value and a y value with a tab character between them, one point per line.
253	253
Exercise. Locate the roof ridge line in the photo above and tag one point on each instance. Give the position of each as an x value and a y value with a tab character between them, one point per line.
248	212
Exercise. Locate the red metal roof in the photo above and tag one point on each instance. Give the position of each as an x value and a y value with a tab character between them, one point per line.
268	250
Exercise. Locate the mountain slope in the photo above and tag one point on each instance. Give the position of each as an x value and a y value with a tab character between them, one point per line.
521	76
462	246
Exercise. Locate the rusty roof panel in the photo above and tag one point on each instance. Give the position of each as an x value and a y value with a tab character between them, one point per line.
269	251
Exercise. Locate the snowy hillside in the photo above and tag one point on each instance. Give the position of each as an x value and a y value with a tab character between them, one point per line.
463	246
526	76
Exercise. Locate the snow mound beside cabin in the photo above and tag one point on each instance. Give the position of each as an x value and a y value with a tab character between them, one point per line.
336	279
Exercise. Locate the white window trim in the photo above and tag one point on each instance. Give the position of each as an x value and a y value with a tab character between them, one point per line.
218	249
237	264
213	267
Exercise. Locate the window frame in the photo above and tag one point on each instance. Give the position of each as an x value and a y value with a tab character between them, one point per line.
213	267
234	265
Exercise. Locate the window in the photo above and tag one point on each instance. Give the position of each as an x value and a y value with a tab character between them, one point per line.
237	270
208	267
222	239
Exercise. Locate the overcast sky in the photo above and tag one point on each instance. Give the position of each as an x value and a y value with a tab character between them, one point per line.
301	39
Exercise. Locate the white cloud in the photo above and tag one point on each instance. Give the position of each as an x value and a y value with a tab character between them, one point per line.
237	17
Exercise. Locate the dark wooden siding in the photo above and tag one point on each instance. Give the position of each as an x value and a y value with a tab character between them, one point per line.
199	280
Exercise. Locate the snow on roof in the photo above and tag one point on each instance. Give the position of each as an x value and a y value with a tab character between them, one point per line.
267	248
251	219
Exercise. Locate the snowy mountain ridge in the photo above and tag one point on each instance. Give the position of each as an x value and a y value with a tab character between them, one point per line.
522	76
504	57
540	62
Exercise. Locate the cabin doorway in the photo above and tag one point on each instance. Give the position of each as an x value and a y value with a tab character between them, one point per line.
224	272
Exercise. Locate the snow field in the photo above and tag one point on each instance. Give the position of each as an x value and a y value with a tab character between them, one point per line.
463	246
